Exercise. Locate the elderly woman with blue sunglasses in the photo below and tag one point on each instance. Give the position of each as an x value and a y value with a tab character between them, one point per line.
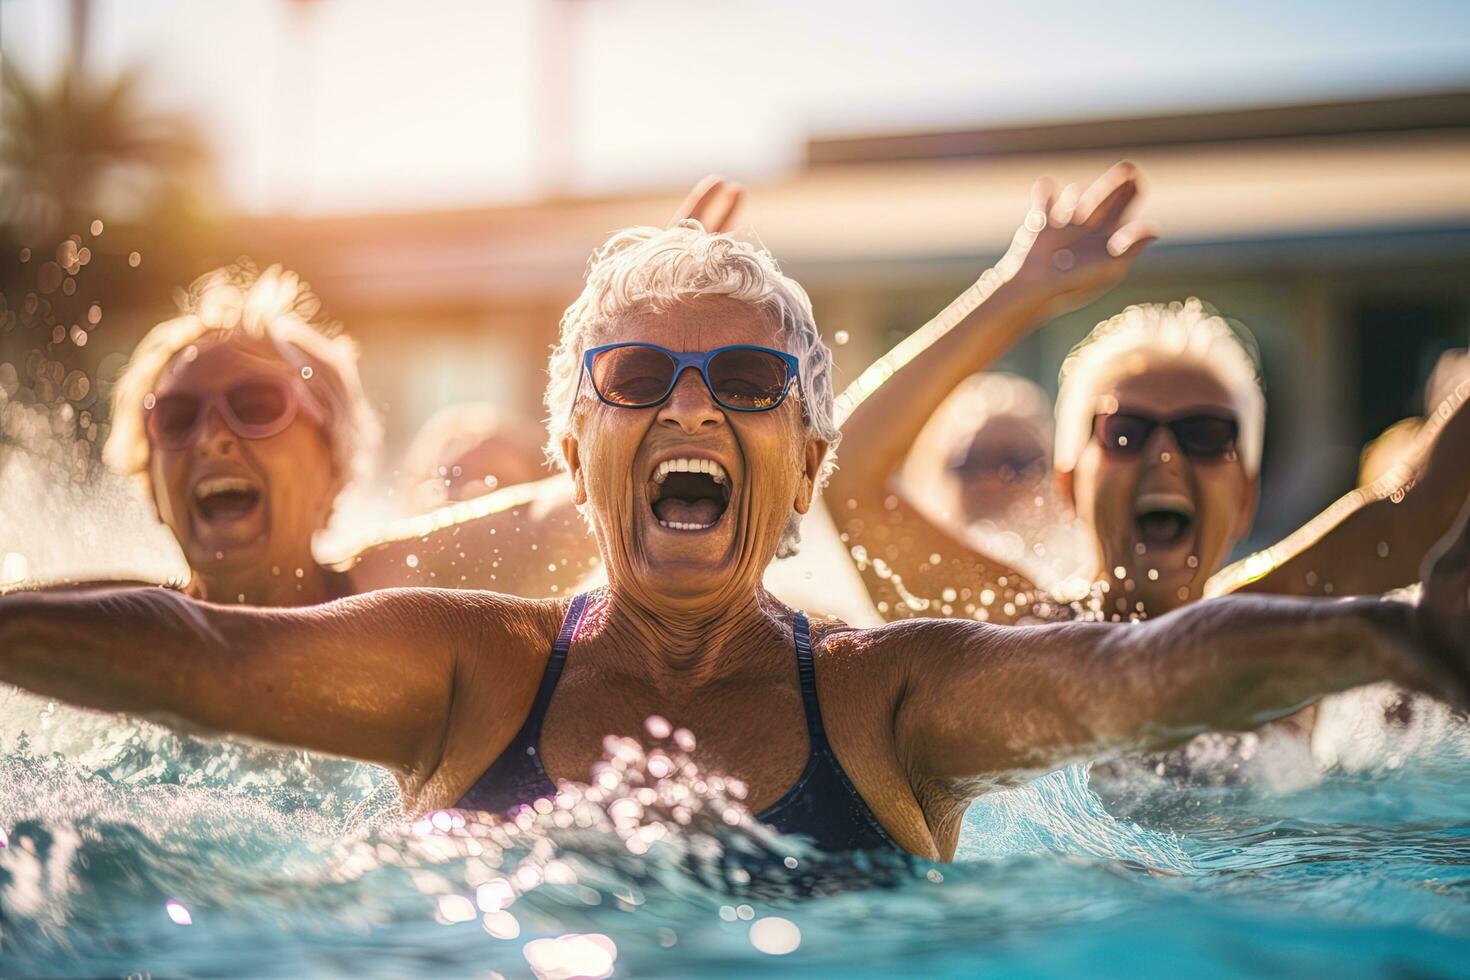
691	403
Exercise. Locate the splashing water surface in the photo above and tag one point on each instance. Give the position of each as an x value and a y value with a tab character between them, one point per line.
128	849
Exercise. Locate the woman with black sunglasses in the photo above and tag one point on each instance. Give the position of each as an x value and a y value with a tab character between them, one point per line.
693	456
1160	420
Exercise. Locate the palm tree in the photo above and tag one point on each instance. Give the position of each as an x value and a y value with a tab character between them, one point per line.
77	149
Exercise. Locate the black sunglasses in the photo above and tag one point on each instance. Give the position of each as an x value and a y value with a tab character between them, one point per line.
1199	436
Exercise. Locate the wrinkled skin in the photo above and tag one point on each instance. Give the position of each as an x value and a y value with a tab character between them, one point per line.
613	461
1111	492
251	551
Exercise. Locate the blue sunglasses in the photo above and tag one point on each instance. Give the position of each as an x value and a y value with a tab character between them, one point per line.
740	378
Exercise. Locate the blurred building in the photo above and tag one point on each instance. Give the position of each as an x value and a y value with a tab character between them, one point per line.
1339	233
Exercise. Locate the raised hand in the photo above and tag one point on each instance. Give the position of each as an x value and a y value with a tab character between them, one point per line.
714	202
1075	244
1442	619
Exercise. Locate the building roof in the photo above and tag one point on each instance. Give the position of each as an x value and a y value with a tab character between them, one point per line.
1388	170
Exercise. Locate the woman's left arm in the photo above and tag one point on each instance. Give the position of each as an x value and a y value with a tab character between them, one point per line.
993	702
1370	540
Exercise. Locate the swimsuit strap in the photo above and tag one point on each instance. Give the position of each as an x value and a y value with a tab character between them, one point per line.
557	661
807	673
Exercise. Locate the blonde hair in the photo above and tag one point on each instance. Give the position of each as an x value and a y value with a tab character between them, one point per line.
274	307
1149	336
655	269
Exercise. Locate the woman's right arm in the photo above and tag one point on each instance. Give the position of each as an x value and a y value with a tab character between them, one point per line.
1069	248
371	677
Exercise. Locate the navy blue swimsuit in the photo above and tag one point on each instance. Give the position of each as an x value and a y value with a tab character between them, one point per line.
822	805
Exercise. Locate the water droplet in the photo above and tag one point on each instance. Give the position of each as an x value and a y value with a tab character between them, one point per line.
135	259
774	935
412	561
96	228
149	400
1119	572
76	386
178	913
300	573
78	335
1383	549
306	373
501	925
68	286
841	337
48	278
25	255
94	314
1153	574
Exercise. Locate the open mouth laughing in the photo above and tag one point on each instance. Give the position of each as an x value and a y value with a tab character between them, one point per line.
689	494
1162	520
225	499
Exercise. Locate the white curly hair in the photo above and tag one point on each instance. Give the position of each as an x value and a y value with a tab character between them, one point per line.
1152	335
650	268
274	307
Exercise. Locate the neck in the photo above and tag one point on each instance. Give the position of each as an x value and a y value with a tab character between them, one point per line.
692	641
276	585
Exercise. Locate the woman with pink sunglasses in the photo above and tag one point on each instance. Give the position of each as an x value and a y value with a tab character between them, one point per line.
245	420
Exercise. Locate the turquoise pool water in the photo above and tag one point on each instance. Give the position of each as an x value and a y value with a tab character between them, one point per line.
132	851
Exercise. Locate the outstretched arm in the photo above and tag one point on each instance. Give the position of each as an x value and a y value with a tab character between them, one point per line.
985	703
1370	540
1070	248
372	677
526	540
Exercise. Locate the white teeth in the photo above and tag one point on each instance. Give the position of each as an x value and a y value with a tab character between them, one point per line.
1175	502
685	465
681	526
221	484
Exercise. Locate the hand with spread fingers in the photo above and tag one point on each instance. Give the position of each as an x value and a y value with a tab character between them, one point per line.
714	202
1075	244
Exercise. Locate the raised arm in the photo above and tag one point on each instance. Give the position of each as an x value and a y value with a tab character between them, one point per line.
986	703
1370	540
1070	247
372	677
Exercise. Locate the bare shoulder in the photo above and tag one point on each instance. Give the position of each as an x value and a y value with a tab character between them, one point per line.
910	650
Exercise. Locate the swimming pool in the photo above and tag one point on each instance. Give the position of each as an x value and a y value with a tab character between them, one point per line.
134	851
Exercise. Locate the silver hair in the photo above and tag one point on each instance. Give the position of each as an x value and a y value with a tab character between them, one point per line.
1151	335
274	307
649	268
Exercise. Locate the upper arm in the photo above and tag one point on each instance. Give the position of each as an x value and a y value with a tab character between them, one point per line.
998	702
371	677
